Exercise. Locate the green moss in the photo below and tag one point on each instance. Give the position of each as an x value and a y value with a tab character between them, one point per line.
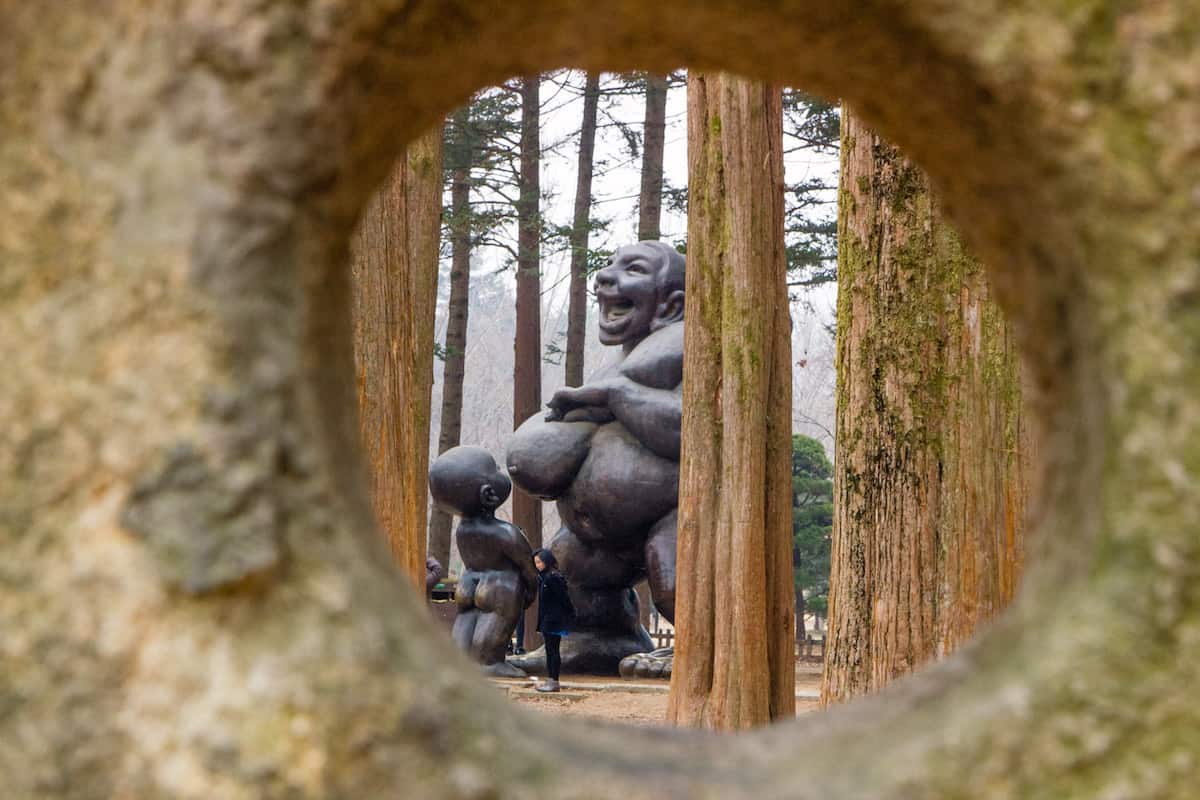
913	360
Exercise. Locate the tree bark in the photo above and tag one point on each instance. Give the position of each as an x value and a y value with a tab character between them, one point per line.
734	656
394	267
653	142
457	313
933	446
578	302
650	211
801	633
527	346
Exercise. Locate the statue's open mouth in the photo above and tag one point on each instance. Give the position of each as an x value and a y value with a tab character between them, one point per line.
615	312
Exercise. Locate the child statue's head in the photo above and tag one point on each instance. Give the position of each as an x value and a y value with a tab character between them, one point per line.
466	481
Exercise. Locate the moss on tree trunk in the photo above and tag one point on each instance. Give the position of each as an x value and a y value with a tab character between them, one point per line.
734	650
932	441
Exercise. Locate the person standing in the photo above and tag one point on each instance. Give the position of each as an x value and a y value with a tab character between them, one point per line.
555	614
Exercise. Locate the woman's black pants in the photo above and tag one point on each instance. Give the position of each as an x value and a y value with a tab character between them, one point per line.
553	659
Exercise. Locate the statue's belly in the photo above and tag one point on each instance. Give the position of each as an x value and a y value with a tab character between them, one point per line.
543	457
621	489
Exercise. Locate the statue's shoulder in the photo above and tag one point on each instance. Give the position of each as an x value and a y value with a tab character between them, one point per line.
658	361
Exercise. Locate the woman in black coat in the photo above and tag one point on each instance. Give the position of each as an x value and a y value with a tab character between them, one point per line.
555	614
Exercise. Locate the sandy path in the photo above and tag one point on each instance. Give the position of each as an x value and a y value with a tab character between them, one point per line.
639	706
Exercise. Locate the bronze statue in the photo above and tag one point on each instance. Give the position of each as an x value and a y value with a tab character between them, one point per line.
608	452
499	580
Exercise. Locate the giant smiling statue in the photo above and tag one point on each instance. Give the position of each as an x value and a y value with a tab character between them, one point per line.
608	453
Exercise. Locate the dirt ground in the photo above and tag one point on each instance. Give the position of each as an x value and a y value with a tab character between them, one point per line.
639	706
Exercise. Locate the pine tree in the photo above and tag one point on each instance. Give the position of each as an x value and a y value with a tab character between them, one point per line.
527	348
653	141
580	227
812	528
458	167
476	158
931	477
394	268
735	668
810	125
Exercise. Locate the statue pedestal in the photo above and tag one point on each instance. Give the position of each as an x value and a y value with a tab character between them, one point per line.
587	653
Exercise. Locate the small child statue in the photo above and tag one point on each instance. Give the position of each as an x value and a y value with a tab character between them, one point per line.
499	580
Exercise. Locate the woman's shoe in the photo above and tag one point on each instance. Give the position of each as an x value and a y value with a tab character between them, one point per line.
548	686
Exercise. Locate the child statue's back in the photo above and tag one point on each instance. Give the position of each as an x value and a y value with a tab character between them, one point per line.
499	580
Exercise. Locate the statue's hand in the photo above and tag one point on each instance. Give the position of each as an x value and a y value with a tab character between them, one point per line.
569	398
562	402
596	414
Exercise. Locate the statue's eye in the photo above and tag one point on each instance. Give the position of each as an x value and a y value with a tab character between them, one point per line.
637	267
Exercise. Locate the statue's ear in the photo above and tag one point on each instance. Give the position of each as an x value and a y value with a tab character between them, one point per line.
488	498
671	309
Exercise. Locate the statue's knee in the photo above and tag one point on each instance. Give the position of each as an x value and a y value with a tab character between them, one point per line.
664	601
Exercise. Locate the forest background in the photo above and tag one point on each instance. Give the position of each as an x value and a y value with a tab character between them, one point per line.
494	115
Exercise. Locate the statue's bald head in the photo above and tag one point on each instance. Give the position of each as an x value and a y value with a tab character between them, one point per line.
672	267
466	481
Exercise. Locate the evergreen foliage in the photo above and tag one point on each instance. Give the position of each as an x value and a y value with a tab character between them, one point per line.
810	225
812	521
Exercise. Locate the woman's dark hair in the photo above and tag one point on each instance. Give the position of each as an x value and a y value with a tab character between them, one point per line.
547	558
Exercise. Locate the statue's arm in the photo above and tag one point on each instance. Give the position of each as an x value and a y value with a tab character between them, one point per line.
521	555
581	402
653	416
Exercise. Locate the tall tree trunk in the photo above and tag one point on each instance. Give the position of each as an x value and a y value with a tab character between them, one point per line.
527	356
734	663
454	366
577	307
394	266
801	633
650	211
933	447
653	141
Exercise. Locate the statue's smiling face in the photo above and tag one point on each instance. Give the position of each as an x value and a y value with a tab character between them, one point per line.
627	292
